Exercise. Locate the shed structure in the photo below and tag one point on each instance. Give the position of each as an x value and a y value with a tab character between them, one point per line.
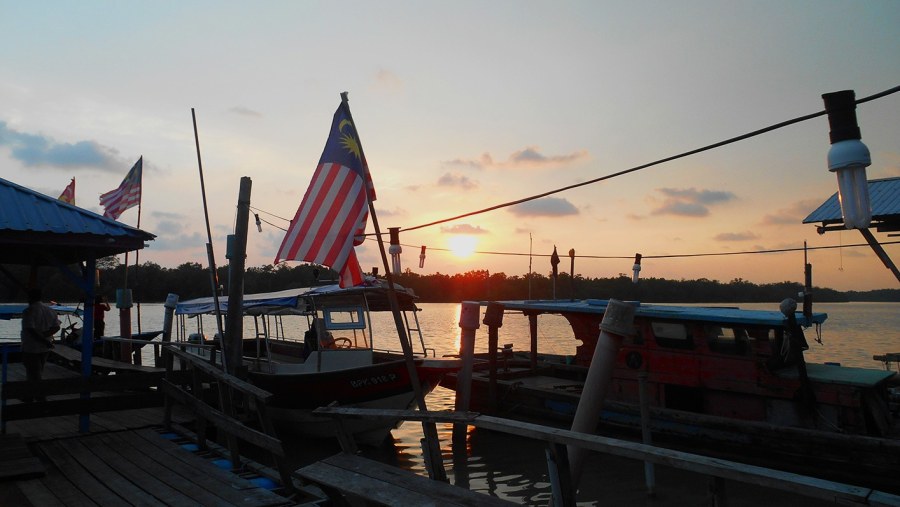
884	197
41	231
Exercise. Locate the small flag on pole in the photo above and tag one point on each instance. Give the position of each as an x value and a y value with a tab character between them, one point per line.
68	194
333	213
554	261
128	195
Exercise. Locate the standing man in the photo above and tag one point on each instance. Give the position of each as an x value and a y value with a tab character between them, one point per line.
39	324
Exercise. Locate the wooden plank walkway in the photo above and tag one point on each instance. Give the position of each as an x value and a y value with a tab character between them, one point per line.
381	484
137	467
16	460
122	460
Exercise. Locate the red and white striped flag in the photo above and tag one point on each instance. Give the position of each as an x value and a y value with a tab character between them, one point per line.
128	195
68	194
333	213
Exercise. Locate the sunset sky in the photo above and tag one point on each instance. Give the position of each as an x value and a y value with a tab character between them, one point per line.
461	106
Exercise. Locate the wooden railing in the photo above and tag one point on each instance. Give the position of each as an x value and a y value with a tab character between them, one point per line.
235	401
132	387
558	439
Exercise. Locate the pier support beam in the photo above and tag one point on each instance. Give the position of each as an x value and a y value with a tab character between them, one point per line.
468	321
618	322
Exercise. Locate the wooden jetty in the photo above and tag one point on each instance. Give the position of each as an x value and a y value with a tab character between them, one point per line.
717	470
347	474
126	457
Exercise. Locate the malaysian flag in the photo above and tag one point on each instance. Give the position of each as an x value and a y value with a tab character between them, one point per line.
128	195
68	194
333	213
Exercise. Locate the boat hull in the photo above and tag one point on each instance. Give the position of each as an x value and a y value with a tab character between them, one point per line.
547	397
382	385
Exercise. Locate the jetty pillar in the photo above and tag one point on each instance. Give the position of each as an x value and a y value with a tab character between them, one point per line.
468	321
618	322
493	319
123	303
237	258
168	320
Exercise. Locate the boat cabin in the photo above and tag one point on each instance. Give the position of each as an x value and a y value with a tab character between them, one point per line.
306	330
722	361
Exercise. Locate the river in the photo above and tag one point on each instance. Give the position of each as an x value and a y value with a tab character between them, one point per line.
514	468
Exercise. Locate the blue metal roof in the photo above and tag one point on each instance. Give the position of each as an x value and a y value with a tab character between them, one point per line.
33	223
884	196
719	315
295	301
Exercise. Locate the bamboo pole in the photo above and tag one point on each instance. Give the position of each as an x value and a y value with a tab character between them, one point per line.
213	277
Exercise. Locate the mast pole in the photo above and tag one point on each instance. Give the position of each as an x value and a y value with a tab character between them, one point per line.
137	255
435	460
213	278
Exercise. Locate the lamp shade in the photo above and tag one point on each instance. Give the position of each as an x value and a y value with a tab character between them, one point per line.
848	157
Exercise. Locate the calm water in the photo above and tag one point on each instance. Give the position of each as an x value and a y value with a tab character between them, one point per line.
514	468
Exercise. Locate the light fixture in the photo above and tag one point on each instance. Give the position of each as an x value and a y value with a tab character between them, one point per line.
848	157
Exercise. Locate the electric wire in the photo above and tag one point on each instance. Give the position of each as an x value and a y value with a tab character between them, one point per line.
627	171
650	164
663	256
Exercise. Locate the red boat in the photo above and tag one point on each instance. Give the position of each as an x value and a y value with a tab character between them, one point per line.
331	359
725	378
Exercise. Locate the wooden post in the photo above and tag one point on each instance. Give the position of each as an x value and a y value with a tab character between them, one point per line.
123	303
533	331
468	321
561	490
493	319
168	319
716	492
572	273
649	470
87	337
237	256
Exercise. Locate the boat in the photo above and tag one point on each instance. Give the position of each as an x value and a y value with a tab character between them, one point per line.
315	347
730	380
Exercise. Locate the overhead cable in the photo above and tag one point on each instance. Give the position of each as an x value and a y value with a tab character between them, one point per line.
650	164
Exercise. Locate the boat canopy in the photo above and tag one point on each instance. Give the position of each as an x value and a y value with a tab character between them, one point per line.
8	312
305	300
721	315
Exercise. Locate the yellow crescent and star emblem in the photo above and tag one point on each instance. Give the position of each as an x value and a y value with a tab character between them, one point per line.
348	139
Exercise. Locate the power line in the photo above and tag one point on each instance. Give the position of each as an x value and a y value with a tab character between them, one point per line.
667	256
631	170
650	164
270	214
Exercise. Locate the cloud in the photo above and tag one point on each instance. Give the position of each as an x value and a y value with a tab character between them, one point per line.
792	215
167	215
396	212
245	111
689	202
388	81
735	236
464	229
529	157
547	207
456	180
38	150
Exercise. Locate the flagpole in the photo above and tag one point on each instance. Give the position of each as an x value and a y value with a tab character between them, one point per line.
137	253
209	246
436	468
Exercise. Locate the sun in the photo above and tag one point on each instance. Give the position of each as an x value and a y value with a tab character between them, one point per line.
462	245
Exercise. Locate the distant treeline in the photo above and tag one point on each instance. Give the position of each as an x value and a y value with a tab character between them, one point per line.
151	283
